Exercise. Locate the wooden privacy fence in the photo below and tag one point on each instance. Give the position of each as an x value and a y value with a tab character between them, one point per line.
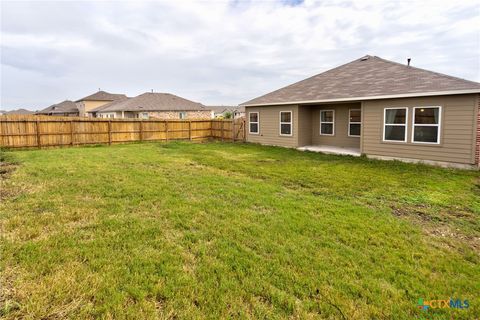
40	132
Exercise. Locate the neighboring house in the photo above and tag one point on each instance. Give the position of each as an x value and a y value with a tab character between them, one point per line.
66	108
221	111
100	98
154	105
18	112
375	107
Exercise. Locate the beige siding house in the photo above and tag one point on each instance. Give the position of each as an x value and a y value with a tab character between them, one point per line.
152	105
98	99
375	107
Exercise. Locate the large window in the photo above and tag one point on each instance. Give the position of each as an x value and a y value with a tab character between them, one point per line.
426	125
253	123
355	123
327	122
395	124
286	123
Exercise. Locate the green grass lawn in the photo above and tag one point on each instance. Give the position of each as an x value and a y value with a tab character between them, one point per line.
218	230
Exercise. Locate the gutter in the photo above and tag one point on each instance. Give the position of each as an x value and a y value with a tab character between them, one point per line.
357	99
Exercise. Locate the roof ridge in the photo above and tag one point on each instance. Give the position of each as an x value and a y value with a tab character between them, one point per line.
311	77
424	70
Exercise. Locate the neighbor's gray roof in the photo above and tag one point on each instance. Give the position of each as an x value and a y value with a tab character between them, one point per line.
368	77
19	111
150	101
66	106
102	96
223	109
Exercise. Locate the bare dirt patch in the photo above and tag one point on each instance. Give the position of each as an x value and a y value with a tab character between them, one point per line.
436	226
6	169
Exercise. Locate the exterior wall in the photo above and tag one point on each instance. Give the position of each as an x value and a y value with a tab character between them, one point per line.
477	152
457	134
164	115
174	115
304	126
238	114
340	137
85	106
269	126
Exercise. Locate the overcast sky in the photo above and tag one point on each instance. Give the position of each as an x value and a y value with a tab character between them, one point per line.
219	52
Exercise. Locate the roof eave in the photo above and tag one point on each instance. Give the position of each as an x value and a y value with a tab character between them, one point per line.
354	99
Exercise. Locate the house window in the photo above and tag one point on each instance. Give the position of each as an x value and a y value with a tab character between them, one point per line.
327	122
426	125
395	124
144	115
253	123
355	123
285	123
182	115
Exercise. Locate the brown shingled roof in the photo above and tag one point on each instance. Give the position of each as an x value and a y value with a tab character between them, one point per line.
66	106
150	101
367	77
102	96
19	112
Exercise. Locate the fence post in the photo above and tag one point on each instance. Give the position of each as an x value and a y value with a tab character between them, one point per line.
71	132
190	130
166	130
141	130
223	121
109	132
244	130
39	144
233	130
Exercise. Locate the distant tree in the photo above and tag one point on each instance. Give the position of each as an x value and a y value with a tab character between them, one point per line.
228	115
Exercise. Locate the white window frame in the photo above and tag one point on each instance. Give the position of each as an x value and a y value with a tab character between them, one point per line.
180	115
142	115
439	125
258	123
290	123
108	115
332	122
395	124
349	122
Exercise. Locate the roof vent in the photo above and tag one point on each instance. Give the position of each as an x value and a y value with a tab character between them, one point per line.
364	58
408	61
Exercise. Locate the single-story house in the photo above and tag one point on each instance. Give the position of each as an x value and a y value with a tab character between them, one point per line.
154	105
375	107
100	98
222	111
65	108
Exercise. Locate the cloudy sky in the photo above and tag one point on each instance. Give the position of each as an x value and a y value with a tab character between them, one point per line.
219	52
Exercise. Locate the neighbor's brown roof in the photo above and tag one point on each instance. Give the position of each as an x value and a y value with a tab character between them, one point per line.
150	101
369	76
66	106
19	112
102	96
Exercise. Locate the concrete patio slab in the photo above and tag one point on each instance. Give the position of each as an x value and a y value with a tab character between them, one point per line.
332	150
